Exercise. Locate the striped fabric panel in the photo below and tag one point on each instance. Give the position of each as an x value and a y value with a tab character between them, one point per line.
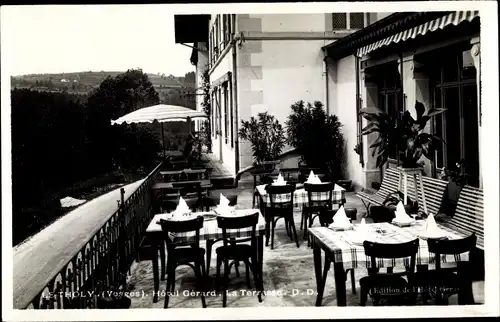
210	230
340	245
454	18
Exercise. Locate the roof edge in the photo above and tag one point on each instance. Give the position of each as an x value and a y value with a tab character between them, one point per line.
378	30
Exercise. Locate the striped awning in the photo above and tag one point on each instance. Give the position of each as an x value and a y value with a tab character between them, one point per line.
454	18
160	113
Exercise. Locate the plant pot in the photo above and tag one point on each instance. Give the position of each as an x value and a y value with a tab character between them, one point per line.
409	170
454	191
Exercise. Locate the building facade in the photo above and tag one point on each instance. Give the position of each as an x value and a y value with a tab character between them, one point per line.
349	61
431	57
264	62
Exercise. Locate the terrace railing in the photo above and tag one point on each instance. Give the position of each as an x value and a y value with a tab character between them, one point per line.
101	265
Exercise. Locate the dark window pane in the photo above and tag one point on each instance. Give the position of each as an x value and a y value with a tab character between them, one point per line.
471	129
339	21
450	69
452	137
357	20
468	68
438	129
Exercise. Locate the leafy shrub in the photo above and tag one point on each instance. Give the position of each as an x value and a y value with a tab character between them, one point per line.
265	134
317	137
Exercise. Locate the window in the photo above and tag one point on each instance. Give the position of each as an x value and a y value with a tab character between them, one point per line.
220	36
226	110
349	21
453	81
389	93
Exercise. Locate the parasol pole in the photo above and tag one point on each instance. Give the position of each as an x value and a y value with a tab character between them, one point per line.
163	140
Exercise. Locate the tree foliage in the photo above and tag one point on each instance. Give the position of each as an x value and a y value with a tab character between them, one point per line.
317	137
206	130
59	139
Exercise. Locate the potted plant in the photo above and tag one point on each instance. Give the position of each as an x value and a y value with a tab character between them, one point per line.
405	135
265	134
317	137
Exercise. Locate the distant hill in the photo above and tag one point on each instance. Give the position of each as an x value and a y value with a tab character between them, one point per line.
82	82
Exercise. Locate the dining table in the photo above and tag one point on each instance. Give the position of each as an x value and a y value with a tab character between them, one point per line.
347	252
209	233
170	185
300	196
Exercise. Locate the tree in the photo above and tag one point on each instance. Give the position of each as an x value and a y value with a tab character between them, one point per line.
116	97
190	78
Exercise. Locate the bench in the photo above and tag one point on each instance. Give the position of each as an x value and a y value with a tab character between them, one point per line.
389	185
434	190
469	214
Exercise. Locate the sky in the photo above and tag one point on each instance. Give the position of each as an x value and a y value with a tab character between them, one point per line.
56	39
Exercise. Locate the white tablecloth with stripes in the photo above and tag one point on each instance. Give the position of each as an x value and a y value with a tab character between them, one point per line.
210	230
300	196
343	246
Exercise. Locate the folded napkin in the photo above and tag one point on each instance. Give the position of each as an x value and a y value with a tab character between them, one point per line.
311	177
280	181
340	219
401	215
223	208
182	209
316	180
224	202
431	228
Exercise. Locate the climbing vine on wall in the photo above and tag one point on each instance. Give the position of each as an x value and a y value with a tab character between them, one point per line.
207	108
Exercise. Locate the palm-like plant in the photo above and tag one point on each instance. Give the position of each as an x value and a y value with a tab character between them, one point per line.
404	136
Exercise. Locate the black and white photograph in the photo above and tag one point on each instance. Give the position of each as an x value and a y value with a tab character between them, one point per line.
278	160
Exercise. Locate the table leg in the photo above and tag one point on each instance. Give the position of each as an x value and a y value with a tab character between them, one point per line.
209	255
162	258
317	270
340	279
156	276
260	265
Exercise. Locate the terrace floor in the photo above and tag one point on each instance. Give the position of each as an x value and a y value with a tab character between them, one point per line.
286	268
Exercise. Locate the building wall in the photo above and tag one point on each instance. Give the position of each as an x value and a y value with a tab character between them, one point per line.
341	75
275	73
220	148
342	102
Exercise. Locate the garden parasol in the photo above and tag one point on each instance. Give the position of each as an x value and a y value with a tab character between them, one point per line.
160	113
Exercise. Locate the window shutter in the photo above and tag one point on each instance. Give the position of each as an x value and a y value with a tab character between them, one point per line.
339	21
356	20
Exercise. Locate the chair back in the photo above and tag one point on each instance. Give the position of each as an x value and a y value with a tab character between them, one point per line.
451	247
281	196
319	195
392	251
237	222
182	226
